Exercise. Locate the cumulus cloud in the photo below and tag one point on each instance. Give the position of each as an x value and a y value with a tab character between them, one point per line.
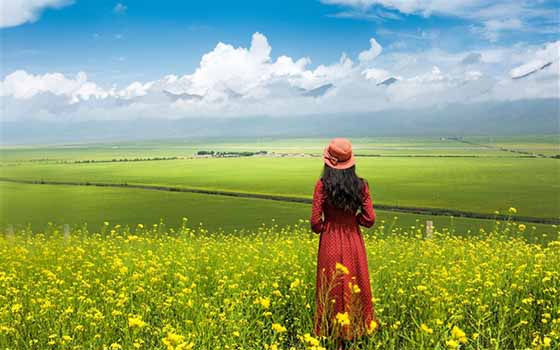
245	81
372	53
22	85
17	12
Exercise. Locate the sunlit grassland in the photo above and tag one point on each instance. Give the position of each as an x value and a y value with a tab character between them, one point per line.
471	184
153	288
548	145
39	205
389	146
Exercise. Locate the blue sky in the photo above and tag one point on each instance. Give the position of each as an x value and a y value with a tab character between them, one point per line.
117	43
121	46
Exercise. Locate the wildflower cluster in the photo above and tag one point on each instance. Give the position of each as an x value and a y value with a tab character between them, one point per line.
147	288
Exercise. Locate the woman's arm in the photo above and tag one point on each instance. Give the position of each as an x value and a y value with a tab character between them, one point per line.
317	208
366	216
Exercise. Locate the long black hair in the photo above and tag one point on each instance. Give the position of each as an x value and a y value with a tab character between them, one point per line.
343	188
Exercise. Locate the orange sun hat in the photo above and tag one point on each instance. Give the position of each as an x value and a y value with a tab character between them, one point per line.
338	154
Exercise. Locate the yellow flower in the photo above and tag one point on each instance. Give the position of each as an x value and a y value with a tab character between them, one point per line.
512	210
354	288
521	227
16	308
458	334
66	338
136	322
278	328
452	344
264	302
174	341
343	319
372	326
426	329
546	342
342	268
296	283
311	340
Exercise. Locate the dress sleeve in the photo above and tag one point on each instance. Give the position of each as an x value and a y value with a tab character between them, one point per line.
317	208
366	216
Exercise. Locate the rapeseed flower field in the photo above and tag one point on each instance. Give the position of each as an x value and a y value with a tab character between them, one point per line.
159	288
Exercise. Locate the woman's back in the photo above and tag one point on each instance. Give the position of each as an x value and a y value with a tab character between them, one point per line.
334	215
341	203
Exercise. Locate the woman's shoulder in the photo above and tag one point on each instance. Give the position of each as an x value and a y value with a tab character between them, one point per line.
366	184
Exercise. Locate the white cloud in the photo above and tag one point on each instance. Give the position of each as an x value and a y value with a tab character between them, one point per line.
17	12
241	81
424	7
491	17
372	53
376	75
492	29
120	8
541	59
22	85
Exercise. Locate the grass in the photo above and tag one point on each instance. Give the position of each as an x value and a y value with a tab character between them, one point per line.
470	184
548	145
39	205
389	146
152	288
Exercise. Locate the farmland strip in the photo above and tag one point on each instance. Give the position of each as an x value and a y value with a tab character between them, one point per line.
281	198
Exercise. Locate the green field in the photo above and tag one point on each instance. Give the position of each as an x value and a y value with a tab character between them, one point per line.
490	180
548	145
384	146
38	205
480	185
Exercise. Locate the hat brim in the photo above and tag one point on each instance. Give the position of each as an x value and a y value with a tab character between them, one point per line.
339	165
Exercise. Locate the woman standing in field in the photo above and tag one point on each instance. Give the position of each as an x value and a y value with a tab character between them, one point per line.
341	203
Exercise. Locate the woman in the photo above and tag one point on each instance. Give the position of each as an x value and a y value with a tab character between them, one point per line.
342	202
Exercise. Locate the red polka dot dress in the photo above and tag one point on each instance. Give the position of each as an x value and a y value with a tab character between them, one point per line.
344	302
